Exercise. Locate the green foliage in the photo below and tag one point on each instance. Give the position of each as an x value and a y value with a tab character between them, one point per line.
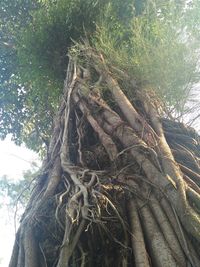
31	91
153	50
18	192
13	16
146	39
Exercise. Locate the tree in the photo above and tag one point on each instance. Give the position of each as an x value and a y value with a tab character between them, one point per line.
14	15
120	183
18	192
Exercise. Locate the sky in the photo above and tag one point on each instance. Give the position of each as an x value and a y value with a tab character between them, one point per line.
14	160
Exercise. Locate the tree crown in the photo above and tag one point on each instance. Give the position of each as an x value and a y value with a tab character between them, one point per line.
153	42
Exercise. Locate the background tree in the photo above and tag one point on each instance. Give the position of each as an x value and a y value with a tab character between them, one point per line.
18	192
116	166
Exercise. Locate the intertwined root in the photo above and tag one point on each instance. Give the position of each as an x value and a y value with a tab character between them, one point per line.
116	188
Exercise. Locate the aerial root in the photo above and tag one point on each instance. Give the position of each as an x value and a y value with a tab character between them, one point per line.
105	139
154	225
21	256
69	245
83	256
191	184
193	175
31	248
15	254
167	231
177	189
137	239
179	231
159	249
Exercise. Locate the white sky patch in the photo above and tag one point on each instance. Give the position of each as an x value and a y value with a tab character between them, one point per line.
7	235
192	115
14	160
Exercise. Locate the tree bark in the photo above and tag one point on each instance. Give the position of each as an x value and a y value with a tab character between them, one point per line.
114	189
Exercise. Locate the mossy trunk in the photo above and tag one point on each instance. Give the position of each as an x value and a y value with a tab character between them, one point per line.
120	185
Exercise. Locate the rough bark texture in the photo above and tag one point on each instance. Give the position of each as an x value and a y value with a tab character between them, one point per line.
120	185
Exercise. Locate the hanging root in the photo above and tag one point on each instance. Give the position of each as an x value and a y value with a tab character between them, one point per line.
116	188
137	239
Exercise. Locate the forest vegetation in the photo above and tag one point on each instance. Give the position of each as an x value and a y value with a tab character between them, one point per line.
99	89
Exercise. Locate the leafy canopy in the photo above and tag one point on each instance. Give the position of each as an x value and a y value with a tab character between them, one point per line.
153	41
158	49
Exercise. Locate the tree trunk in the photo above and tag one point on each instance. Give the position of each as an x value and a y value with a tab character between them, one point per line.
120	185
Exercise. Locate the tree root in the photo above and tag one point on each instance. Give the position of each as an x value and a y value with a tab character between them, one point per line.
137	238
139	205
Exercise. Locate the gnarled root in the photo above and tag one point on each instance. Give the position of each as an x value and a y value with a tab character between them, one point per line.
111	192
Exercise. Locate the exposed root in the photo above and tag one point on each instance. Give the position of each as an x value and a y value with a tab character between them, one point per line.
115	188
159	249
138	245
167	232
